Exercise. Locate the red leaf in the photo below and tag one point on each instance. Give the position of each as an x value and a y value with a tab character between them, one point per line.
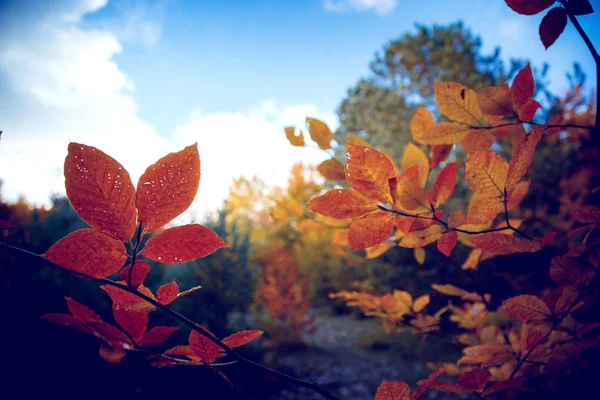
167	188
522	87
529	7
204	348
133	322
6	225
129	301
100	191
553	25
370	230
341	204
426	384
157	335
516	383
110	334
167	293
392	390
444	185
112	354
88	252
140	270
526	308
368	172
81	312
66	320
589	214
241	338
475	379
182	243
567	271
447	242
522	156
439	153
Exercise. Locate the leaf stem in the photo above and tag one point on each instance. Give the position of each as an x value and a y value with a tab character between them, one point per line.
181	318
134	251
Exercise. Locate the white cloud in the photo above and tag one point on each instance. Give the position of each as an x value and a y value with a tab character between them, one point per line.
381	7
60	83
513	28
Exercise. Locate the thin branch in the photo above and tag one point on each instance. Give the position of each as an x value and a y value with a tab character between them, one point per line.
519	122
134	251
186	321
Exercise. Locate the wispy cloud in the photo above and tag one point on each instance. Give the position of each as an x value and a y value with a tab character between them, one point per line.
513	28
381	7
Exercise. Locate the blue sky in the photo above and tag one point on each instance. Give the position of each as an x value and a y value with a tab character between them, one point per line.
229	75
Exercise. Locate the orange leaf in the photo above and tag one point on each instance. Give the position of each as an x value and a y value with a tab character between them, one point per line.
526	308
443	133
475	379
157	335
444	185
500	244
478	140
112	354
167	188
486	173
415	156
368	172
517	194
420	303
140	270
422	238
420	124
167	293
182	243
370	230
495	100
332	169
528	110
439	154
129	301
456	219
290	133
447	242
589	214
203	347
81	312
378	249
88	252
522	156
522	87
319	132
392	390
100	191
458	102
485	209
426	384
341	204
241	338
529	7
355	140
133	322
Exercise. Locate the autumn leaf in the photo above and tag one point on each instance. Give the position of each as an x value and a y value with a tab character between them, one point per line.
477	140
451	290
357	141
444	185
319	132
422	238
81	312
167	293
309	225
426	384
100	191
567	271
368	172
241	338
378	249
419	254
413	155
140	270
447	242
458	102
475	379
392	390
408	195
290	133
444	133
133	322
157	335
112	355
370	230
529	7
517	194
89	253
522	156
207	350
167	188
589	214
486	173
522	87
485	209
341	204
420	124
526	308
495	100
420	303
332	169
440	153
500	244
182	243
456	219
130	301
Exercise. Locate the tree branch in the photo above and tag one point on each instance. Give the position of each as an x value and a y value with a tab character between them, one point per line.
186	321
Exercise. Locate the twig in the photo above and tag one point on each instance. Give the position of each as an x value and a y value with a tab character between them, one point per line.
134	250
186	321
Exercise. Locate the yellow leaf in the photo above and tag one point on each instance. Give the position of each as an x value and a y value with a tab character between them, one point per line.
458	102
292	206
422	238
319	132
443	133
521	159
485	209
420	124
291	136
472	261
495	100
451	290
332	169
486	173
309	225
379	249
415	156
419	254
357	141
408	195
421	303
340	238
478	140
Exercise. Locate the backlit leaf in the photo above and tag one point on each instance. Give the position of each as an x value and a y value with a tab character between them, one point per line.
319	132
157	335
447	242
379	249
140	270
522	87
88	252
443	133
486	173
456	219
517	194
451	290
526	308
458	102
332	169
485	209
420	124
589	214
426	384
100	191
167	292
368	172
495	100
290	133
408	195
182	243
444	185
392	390
413	155
475	379
357	141
112	354
478	140
241	338
420	303
167	188
203	347
500	244
440	153
341	204
419	254
129	301
370	230
529	7
81	312
422	238
522	156
133	322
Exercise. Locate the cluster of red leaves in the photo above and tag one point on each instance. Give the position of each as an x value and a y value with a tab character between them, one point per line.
101	192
